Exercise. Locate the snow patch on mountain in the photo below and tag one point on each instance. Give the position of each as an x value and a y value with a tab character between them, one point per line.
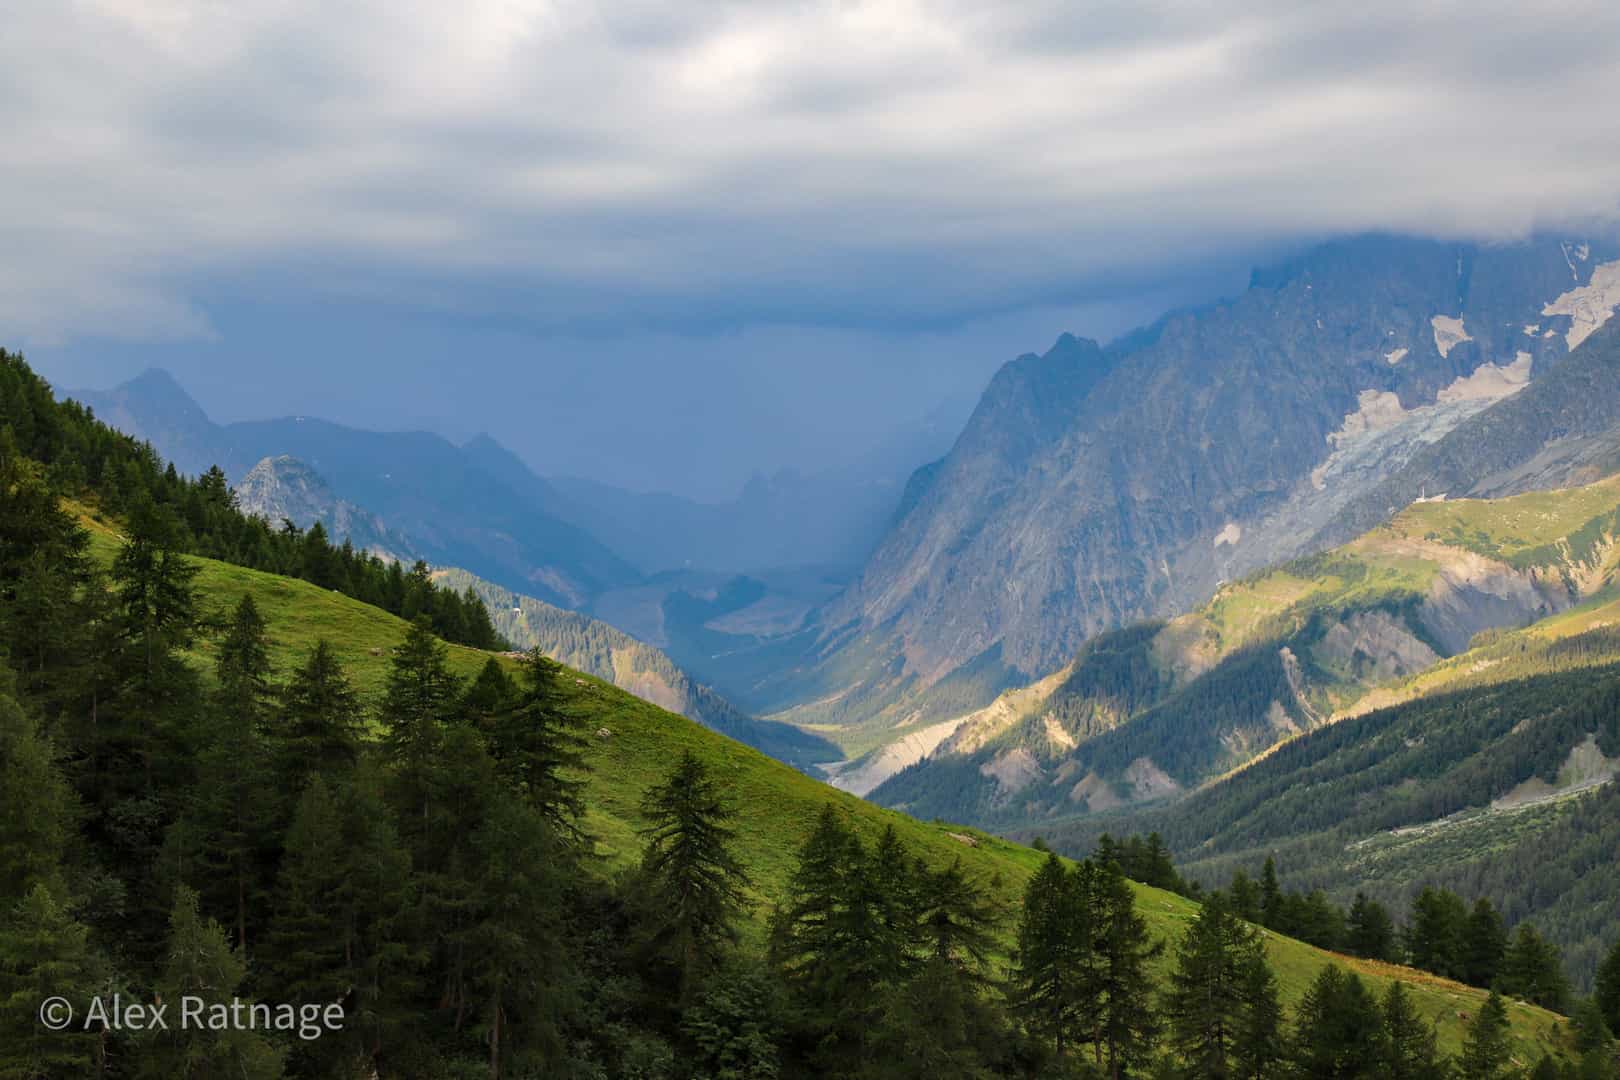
1589	306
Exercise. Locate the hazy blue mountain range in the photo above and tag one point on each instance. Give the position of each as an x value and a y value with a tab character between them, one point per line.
831	517
417	483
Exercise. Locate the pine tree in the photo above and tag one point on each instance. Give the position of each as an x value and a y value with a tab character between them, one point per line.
1270	895
538	747
36	803
339	930
199	963
828	941
1485	1052
1209	993
696	887
421	697
157	614
45	953
1339	1030
490	694
1606	989
1370	932
1409	1042
1533	970
320	721
1126	1024
1245	897
1259	1050
1592	1031
519	972
233	835
1434	934
1052	982
1484	945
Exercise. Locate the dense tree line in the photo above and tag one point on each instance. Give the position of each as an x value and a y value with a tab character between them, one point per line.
83	458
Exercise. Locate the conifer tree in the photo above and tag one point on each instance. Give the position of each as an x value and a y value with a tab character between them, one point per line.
1434	933
1271	899
1409	1042
1053	982
1339	1029
1259	1049
696	887
157	615
1245	897
36	804
1212	989
518	970
491	693
1606	989
339	930
1126	1024
828	941
320	724
1485	1052
45	953
421	697
199	963
1484	944
538	747
1533	970
233	836
1370	932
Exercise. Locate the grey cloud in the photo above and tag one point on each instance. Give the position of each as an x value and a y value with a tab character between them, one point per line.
885	162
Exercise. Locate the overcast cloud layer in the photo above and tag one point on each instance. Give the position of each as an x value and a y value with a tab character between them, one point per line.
703	166
842	161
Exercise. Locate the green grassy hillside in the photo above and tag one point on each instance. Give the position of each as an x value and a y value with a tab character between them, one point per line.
633	744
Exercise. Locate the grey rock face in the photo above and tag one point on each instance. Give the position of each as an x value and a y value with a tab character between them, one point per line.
284	488
1094	487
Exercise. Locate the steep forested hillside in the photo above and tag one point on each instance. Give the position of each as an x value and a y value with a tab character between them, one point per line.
1155	710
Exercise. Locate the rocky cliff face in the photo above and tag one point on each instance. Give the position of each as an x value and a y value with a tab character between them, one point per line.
1094	487
285	489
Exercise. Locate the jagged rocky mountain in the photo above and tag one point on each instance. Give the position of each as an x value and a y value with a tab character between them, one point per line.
285	489
1094	487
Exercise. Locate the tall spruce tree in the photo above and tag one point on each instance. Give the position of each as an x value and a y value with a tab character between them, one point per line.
36	804
1210	993
1053	985
1434	934
234	838
538	747
340	930
695	885
199	963
1409	1042
1339	1029
1271	898
1127	1025
321	721
45	953
1484	944
421	697
1533	969
1485	1052
1259	1047
1370	932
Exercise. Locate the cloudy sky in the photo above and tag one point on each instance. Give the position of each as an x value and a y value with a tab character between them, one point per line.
669	244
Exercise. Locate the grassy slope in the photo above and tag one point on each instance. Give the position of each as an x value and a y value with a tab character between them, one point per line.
778	805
